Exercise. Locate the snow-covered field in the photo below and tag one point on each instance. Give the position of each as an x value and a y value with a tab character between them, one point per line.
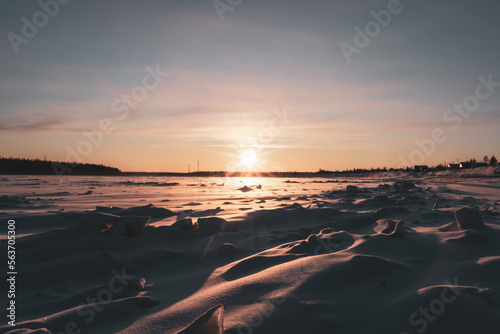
392	253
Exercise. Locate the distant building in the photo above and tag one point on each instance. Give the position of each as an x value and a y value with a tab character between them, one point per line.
421	168
480	164
465	165
453	166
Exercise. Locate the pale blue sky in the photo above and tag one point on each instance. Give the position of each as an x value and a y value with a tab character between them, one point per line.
226	78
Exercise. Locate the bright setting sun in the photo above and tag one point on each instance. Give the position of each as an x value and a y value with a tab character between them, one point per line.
248	158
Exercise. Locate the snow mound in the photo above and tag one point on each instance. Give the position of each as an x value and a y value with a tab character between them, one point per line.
469	219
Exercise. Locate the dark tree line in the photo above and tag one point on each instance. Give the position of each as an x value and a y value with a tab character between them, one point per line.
37	166
486	160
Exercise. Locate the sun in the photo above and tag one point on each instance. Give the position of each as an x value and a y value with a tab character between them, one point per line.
248	158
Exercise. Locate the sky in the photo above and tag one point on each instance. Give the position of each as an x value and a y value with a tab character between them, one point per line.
267	85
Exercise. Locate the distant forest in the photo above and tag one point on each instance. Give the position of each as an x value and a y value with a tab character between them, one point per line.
37	166
45	167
